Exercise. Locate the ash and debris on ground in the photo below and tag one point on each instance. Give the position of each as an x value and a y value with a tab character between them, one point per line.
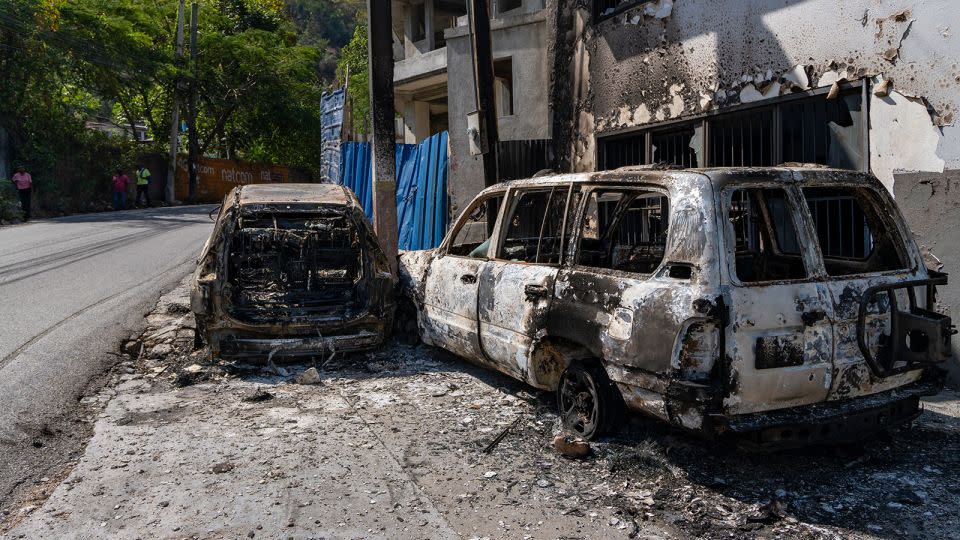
409	442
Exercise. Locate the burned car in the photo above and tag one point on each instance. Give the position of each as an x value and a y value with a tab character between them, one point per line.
292	270
789	304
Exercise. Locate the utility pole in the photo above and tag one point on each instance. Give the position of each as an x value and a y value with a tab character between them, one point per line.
193	143
479	20
380	54
170	194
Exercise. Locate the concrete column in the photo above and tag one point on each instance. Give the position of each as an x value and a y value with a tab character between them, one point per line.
428	24
421	124
407	110
382	114
408	48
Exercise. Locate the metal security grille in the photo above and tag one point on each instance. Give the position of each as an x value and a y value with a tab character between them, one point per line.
841	227
807	128
742	219
523	159
742	140
615	153
674	147
824	131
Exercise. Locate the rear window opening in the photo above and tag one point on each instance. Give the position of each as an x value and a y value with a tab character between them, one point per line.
293	267
854	237
767	247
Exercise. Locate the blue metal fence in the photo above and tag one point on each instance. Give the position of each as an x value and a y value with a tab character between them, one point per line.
421	188
331	122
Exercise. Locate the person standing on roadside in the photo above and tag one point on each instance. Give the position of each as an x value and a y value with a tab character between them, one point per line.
143	185
24	183
120	183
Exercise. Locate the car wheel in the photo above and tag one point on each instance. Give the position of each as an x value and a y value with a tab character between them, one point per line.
589	402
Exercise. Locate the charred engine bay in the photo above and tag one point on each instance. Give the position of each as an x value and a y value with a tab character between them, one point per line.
294	268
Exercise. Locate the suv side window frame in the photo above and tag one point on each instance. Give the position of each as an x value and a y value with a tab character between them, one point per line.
573	257
893	222
810	256
513	194
444	249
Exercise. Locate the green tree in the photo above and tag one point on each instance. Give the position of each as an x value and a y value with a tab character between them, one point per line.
353	60
65	62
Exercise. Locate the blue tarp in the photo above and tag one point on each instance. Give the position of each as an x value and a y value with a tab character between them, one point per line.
421	188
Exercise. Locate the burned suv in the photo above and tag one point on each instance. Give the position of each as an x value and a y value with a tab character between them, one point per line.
789	303
292	270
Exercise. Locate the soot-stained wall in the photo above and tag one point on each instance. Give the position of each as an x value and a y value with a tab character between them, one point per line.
667	60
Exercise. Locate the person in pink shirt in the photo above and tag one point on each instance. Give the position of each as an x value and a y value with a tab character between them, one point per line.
120	183
24	183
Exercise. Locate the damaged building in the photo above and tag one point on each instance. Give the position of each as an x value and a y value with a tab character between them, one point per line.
857	85
596	85
434	90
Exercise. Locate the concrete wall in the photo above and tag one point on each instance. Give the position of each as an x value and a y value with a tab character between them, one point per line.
521	38
664	60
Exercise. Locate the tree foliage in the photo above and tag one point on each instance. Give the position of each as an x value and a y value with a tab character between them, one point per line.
353	64
63	63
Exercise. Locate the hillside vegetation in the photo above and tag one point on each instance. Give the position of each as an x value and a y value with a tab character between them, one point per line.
261	67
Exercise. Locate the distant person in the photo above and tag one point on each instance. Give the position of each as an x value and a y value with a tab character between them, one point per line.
120	183
143	185
24	183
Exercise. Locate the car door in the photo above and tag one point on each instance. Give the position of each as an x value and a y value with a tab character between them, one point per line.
516	286
449	315
863	243
779	337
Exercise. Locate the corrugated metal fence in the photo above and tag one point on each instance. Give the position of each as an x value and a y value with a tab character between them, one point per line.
331	121
421	188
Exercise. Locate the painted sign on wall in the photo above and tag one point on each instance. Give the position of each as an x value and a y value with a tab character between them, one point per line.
218	176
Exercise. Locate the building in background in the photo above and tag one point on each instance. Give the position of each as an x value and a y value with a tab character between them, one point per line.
857	85
434	85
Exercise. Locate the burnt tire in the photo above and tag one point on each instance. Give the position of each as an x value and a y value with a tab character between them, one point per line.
589	402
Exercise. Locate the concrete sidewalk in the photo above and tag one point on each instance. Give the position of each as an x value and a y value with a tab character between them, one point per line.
392	445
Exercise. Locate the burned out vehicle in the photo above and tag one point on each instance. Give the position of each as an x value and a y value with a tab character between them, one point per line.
292	270
789	304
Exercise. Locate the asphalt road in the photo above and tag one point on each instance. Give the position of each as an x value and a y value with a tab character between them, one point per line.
71	289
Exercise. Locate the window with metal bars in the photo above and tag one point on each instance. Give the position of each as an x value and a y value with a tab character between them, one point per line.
604	9
826	131
676	146
523	159
855	237
765	242
808	129
742	140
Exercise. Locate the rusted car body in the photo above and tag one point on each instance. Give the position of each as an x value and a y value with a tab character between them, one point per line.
292	270
788	303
